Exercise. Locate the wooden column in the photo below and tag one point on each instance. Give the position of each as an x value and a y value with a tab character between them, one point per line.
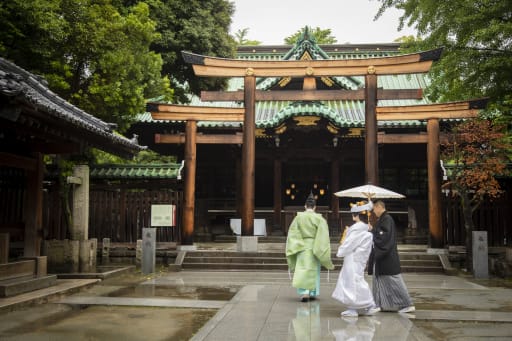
278	203
187	234
33	210
371	146
248	156
335	186
434	185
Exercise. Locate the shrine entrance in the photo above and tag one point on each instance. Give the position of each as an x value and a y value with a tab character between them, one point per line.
329	132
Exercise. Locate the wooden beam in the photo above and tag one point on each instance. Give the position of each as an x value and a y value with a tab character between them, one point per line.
467	113
456	109
223	67
161	111
16	161
434	185
435	107
200	139
407	138
187	230
401	138
370	139
310	95
248	158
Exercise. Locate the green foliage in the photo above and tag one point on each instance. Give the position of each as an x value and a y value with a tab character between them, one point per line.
477	41
319	35
240	37
476	152
91	54
199	26
143	157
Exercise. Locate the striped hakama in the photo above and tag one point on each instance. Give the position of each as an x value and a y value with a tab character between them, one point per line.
390	293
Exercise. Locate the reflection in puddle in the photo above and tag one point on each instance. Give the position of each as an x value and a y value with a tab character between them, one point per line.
360	329
306	324
114	323
198	293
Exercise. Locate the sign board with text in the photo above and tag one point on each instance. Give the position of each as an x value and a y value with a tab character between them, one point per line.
163	215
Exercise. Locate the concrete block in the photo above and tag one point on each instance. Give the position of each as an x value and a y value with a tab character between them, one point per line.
87	255
480	254
148	250
247	243
4	248
41	266
62	255
508	255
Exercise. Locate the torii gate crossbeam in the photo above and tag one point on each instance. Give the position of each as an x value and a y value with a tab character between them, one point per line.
249	69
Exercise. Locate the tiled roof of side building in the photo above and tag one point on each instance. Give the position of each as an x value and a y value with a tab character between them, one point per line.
133	172
31	90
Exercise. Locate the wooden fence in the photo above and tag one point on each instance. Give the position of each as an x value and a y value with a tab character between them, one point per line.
121	214
494	217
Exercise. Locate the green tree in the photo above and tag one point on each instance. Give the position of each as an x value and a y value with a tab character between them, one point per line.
319	35
241	38
476	152
199	26
90	53
477	40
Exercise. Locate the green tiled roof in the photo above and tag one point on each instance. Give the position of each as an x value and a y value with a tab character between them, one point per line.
133	172
342	113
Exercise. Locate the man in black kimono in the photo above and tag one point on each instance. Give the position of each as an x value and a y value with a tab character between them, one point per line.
389	290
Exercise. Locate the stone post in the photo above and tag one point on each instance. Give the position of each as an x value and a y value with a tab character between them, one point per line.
480	254
80	226
148	250
105	251
4	248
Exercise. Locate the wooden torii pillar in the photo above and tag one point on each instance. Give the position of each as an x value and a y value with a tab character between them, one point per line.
192	114
432	113
250	69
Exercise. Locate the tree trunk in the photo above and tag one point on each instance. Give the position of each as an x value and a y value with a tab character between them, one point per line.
469	226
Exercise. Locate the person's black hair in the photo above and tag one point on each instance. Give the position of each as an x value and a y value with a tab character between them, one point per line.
363	216
310	201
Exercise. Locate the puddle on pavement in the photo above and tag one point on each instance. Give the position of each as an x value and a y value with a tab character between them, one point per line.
113	323
182	292
465	330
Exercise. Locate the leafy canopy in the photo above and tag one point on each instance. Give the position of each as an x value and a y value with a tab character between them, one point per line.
477	40
241	38
199	26
477	154
91	53
321	36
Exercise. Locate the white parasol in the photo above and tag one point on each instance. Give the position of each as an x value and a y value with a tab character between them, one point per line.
369	192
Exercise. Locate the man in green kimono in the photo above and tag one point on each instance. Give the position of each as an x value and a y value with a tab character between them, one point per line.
308	247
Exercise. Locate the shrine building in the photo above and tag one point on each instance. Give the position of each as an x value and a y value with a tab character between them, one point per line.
304	146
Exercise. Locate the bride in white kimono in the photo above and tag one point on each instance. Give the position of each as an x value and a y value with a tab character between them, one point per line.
352	289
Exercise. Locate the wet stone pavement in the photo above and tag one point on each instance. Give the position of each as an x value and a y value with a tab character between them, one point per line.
243	305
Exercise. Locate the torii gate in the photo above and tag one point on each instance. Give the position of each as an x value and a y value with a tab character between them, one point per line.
432	113
249	69
192	114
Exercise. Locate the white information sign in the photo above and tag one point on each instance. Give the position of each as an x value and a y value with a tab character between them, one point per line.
163	215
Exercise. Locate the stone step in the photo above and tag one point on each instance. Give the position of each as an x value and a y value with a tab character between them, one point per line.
284	267
20	285
411	261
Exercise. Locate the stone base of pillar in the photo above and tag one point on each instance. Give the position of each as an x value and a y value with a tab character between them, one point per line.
433	251
4	248
62	255
247	243
186	247
87	255
69	256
